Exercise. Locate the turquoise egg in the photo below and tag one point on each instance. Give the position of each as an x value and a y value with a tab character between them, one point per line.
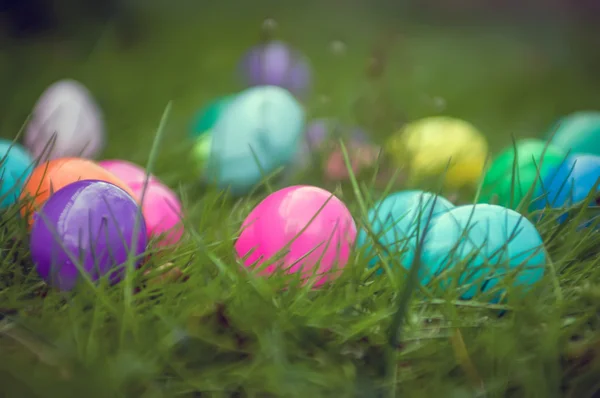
495	242
578	133
206	118
258	132
398	220
16	165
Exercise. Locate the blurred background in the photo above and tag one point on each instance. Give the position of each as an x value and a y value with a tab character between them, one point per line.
510	67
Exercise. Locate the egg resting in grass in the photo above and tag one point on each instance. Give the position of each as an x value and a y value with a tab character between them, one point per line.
398	221
16	165
534	159
275	222
161	206
258	133
53	175
276	64
206	118
129	173
320	136
440	146
571	183
200	153
577	133
495	242
66	122
88	225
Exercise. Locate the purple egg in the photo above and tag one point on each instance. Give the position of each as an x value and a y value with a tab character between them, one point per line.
91	222
276	64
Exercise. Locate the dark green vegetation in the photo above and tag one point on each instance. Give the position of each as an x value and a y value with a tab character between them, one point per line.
223	333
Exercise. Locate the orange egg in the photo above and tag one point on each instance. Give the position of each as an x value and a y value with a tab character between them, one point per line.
55	174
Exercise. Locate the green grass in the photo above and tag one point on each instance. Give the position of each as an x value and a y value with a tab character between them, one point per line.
225	333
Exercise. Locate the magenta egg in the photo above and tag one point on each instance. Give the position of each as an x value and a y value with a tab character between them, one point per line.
128	172
86	227
325	242
162	211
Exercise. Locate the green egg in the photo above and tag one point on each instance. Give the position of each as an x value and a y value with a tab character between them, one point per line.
534	159
207	116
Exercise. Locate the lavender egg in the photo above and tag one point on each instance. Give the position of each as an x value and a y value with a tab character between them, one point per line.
276	64
66	122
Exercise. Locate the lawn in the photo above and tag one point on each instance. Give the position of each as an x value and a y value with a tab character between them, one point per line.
223	333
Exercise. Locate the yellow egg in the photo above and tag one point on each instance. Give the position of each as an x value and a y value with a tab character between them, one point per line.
440	146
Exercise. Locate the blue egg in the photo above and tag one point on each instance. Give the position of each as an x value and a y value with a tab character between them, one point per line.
495	242
569	184
578	133
258	132
16	165
398	220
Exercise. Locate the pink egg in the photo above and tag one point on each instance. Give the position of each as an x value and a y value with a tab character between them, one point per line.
273	223
162	211
128	172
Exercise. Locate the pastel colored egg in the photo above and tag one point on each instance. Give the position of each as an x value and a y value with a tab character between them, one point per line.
200	153
397	221
66	122
440	146
86	227
53	175
16	165
496	244
128	172
258	133
162	211
577	133
276	64
361	156
207	117
161	206
518	171
322	226
571	183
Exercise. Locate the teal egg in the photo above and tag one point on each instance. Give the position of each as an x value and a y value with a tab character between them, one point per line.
16	165
495	243
258	132
578	133
398	220
206	118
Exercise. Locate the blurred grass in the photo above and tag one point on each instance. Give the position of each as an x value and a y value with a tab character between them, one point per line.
224	334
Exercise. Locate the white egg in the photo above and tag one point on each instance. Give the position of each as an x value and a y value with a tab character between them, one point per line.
66	122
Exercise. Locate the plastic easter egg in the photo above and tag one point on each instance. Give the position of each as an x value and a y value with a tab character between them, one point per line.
530	160
321	223
498	244
570	183
276	64
208	116
53	175
66	122
361	156
162	211
87	226
258	133
128	172
161	207
200	153
577	133
16	165
397	221
440	146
